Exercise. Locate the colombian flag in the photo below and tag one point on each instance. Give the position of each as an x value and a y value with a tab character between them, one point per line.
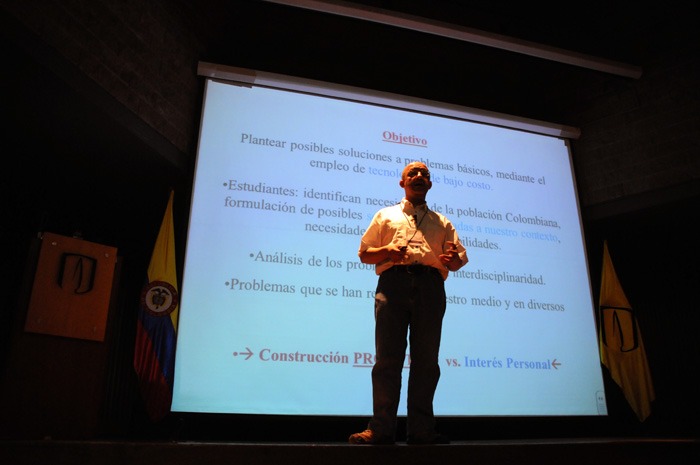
154	355
621	347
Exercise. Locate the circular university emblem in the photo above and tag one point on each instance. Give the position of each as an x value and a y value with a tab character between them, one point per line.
159	298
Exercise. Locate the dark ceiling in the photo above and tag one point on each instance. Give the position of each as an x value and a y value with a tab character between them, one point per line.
613	30
620	30
299	42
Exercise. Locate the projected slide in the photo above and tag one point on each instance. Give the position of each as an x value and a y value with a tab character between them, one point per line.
277	310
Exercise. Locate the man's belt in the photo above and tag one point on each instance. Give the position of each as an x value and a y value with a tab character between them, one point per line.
414	269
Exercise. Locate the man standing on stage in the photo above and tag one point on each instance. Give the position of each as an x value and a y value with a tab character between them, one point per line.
413	248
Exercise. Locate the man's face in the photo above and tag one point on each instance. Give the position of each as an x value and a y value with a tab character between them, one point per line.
416	178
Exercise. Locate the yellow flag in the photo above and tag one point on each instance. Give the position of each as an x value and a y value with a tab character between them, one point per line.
162	265
621	347
156	327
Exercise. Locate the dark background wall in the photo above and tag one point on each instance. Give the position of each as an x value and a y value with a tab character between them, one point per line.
102	104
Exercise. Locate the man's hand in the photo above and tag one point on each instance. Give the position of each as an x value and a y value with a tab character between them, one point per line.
396	253
451	258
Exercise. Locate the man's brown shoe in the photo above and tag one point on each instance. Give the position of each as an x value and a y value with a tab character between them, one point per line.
370	437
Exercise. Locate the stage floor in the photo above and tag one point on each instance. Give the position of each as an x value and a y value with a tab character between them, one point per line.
532	451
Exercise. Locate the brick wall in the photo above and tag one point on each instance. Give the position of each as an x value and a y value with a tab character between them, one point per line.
640	136
144	53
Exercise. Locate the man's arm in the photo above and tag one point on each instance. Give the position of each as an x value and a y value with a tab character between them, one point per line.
374	255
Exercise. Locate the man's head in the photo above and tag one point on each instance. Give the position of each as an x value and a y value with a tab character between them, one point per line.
415	179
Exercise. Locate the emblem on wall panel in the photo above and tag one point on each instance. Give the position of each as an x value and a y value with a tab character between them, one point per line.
72	288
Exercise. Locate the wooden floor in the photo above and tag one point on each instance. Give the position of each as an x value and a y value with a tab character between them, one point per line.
535	451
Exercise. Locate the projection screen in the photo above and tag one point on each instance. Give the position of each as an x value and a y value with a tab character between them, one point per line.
277	310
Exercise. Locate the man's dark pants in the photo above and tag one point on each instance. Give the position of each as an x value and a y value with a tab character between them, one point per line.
406	300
